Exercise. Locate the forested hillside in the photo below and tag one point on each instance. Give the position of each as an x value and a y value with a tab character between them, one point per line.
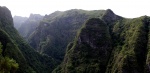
121	46
90	51
59	28
15	47
97	41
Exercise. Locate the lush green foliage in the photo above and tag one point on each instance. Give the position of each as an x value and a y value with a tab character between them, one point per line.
90	51
7	65
58	29
15	47
105	44
130	44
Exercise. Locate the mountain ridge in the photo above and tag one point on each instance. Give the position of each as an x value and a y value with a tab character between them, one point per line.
94	42
65	24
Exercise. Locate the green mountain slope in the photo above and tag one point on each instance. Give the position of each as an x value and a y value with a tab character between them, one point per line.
59	28
98	41
130	46
90	51
124	48
15	47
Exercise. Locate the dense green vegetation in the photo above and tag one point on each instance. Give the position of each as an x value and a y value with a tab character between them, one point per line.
90	51
7	65
98	42
59	28
15	47
130	45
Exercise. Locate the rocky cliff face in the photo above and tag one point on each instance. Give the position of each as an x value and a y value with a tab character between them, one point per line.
90	51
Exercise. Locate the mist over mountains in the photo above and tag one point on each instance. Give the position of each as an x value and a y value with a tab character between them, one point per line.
74	41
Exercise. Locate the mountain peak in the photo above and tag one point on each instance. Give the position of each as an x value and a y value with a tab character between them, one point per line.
35	16
109	16
109	11
5	15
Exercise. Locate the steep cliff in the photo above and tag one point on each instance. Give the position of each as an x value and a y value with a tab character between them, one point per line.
129	46
90	51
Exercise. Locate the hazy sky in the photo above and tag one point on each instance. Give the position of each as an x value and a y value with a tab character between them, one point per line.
125	8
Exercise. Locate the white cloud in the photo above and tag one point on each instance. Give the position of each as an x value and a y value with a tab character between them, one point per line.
126	8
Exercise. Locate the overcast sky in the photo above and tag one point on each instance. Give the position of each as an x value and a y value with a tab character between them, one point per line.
125	8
